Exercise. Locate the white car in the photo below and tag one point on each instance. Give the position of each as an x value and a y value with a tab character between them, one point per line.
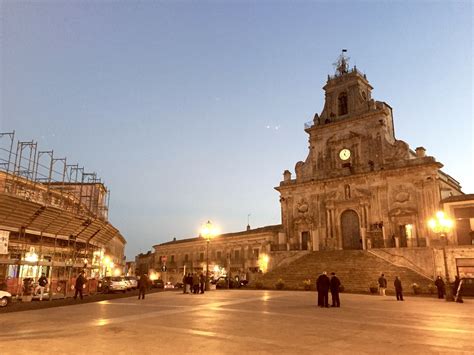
168	285
5	298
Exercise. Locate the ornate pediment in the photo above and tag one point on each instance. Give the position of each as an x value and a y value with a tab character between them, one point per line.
402	211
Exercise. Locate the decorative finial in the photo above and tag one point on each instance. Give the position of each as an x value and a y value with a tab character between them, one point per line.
342	64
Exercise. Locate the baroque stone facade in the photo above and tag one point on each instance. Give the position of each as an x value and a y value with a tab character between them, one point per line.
359	186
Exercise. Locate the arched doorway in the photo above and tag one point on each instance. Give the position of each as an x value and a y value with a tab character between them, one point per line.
351	238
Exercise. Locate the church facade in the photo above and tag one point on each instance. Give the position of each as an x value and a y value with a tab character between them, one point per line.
359	186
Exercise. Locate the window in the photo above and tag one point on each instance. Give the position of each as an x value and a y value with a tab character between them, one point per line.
219	255
255	253
172	258
186	257
201	256
236	254
342	103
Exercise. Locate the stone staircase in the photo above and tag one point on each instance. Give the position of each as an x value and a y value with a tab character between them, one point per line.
357	270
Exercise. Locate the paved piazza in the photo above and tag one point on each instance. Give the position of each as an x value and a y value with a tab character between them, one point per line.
246	321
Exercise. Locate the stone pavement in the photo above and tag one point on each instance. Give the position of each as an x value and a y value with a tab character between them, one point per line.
243	321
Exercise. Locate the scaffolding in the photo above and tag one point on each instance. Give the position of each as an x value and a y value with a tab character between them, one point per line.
51	209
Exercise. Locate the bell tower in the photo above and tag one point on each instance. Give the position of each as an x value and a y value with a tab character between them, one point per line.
347	92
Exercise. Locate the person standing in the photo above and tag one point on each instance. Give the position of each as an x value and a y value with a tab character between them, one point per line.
189	284
185	283
322	286
382	285
142	286
398	288
202	282
439	283
195	283
80	281
42	282
334	285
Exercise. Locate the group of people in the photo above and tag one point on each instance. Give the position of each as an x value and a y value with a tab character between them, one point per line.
78	286
439	283
194	283
397	284
324	284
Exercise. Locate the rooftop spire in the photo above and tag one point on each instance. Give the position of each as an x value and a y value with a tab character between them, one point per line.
342	64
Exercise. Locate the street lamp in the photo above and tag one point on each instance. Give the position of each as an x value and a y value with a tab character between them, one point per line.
207	232
443	225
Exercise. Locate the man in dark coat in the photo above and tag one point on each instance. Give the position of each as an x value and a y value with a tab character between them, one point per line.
334	285
398	288
322	286
439	283
142	286
202	282
185	283
80	281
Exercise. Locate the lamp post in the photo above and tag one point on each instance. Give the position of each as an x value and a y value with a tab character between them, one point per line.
207	232
442	226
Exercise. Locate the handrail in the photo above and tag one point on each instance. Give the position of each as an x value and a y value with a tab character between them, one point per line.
416	268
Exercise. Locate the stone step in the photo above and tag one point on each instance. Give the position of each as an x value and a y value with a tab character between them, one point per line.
357	270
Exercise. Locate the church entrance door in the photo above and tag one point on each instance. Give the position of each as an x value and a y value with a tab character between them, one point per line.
403	236
351	238
304	240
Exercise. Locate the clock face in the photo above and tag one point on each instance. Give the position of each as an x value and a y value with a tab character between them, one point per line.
344	154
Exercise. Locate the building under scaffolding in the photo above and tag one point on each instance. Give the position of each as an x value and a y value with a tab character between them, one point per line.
53	220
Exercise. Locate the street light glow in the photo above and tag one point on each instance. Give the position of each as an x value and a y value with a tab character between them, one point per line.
440	224
208	231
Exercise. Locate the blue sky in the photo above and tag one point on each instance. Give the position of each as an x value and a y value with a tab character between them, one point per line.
192	110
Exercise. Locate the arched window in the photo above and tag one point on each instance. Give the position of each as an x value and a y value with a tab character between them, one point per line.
342	101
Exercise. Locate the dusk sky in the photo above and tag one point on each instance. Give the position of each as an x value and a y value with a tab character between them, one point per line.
192	110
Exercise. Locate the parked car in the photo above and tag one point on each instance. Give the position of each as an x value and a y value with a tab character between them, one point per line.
133	281
158	283
5	298
178	285
169	285
112	284
221	282
128	284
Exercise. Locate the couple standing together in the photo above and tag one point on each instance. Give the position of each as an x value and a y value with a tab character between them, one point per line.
323	285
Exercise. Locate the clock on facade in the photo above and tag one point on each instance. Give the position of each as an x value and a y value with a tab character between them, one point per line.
344	154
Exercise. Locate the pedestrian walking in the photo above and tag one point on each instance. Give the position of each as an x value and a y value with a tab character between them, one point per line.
80	282
322	286
143	284
202	282
439	283
42	282
334	285
398	288
382	285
